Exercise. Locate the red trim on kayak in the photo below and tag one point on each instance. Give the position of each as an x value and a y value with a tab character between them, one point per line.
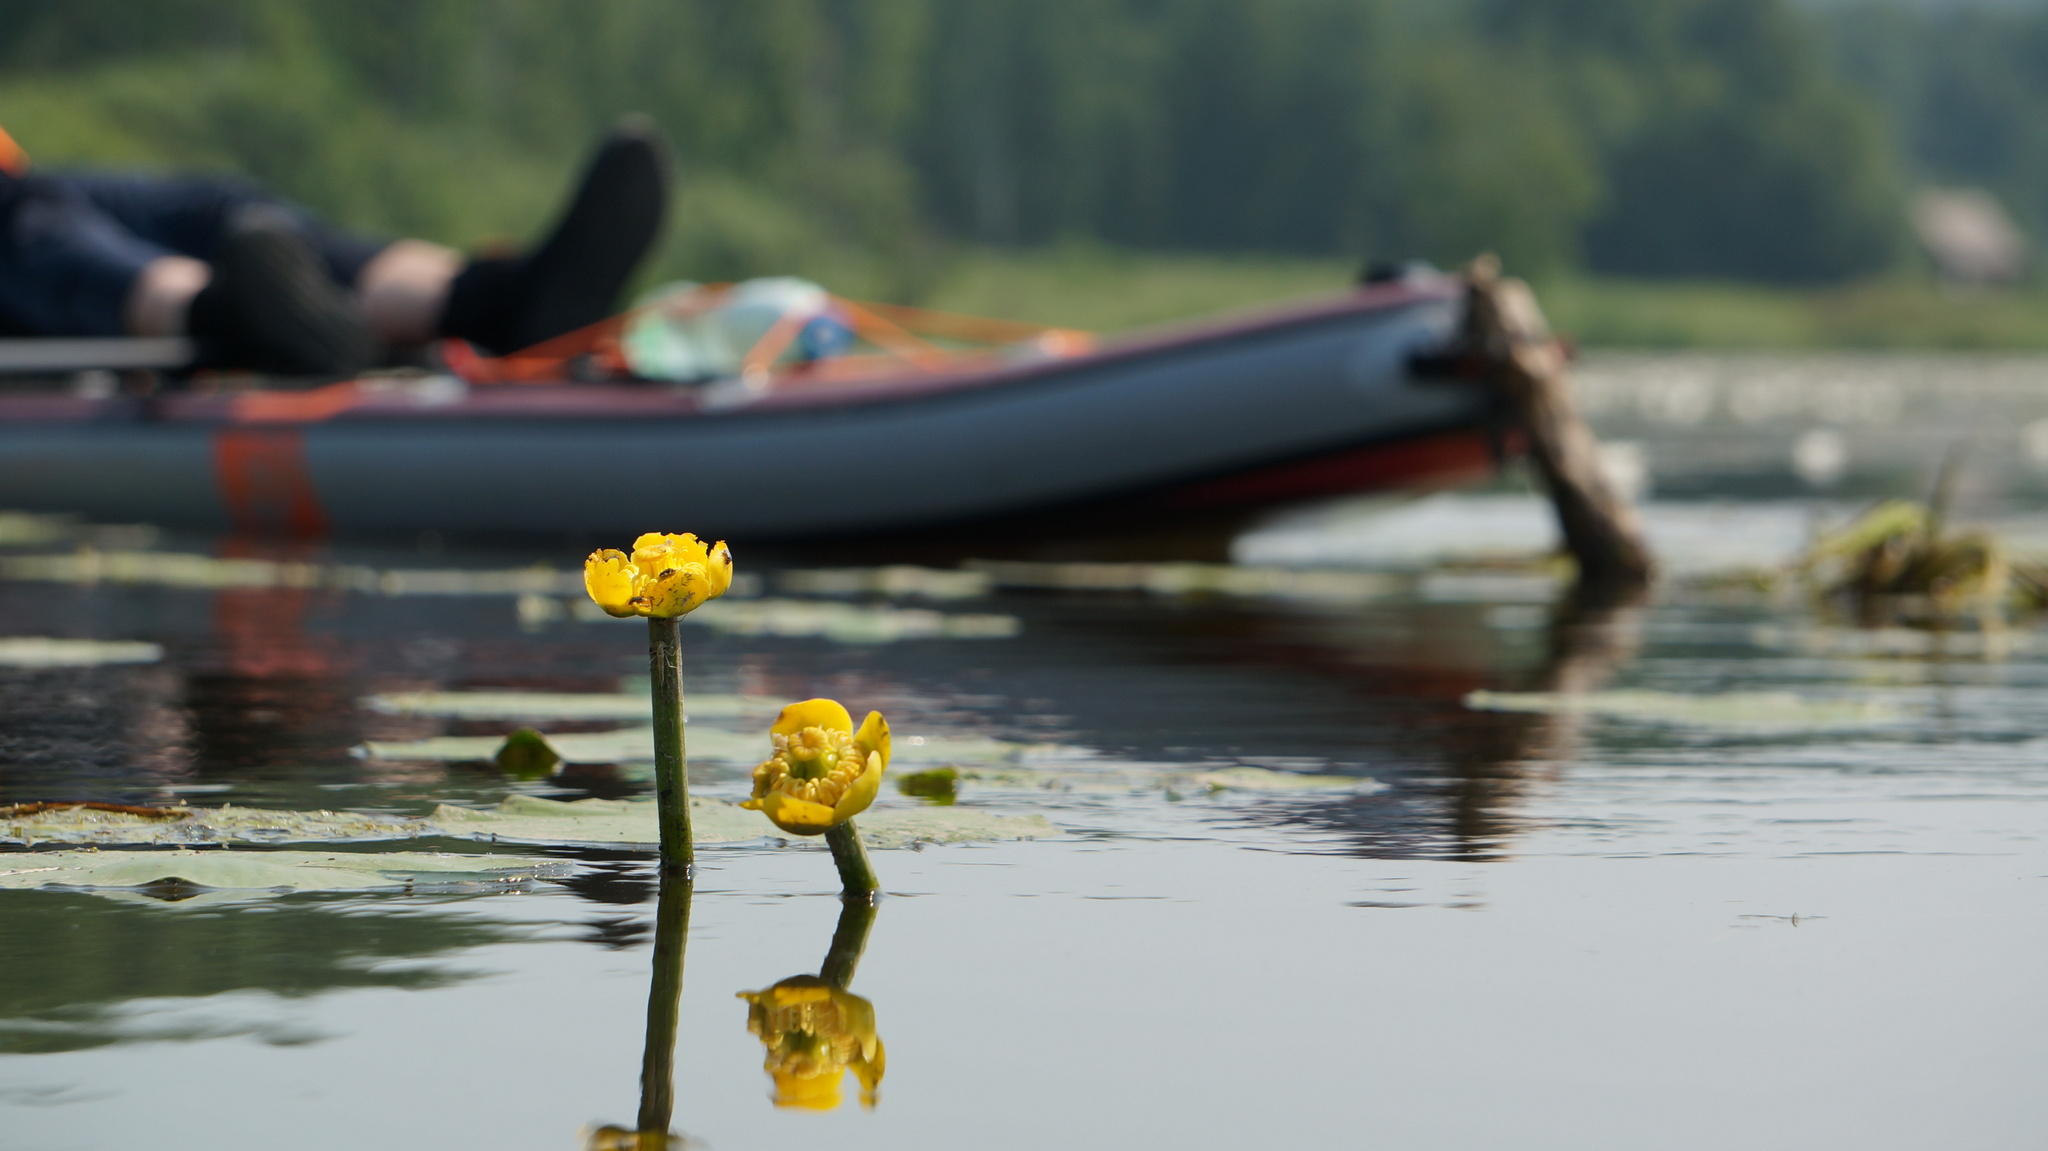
1444	457
264	484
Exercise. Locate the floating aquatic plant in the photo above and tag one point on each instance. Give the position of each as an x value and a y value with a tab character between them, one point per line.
940	785
821	775
666	577
1899	555
516	819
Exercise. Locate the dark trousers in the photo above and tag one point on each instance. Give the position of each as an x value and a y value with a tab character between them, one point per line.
72	243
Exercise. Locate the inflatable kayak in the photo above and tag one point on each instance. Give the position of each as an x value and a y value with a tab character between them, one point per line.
1218	419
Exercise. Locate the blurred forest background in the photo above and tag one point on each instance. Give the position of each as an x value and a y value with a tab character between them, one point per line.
1670	171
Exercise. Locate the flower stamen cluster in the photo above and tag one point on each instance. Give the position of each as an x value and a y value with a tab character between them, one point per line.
814	764
821	772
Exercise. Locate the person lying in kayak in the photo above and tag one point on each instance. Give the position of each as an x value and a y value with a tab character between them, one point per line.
263	285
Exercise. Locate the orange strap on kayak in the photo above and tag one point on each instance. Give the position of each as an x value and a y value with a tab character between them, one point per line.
901	332
548	362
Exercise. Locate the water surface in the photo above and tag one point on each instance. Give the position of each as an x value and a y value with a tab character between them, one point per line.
1809	919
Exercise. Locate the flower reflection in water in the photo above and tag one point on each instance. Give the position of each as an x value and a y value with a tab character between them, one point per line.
815	1030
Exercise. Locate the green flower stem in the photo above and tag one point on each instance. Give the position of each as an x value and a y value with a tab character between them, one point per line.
856	874
671	764
664	999
856	917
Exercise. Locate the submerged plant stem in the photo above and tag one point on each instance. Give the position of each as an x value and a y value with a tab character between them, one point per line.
671	762
664	995
856	874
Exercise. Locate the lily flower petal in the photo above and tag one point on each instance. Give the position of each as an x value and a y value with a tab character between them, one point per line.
873	736
829	714
793	815
673	592
861	792
611	579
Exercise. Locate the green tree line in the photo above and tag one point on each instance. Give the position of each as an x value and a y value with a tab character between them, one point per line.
1742	139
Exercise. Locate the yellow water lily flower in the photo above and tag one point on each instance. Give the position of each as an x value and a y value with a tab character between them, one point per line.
815	1033
666	576
823	772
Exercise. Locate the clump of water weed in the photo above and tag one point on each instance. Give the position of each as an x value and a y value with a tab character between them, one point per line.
1898	563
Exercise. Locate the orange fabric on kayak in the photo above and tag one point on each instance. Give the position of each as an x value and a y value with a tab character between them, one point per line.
13	160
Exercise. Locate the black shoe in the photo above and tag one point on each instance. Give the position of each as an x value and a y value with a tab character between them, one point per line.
272	307
573	279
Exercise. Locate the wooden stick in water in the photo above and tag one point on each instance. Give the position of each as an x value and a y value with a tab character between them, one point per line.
1506	332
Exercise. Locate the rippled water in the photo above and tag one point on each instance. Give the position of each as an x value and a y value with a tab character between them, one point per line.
1770	881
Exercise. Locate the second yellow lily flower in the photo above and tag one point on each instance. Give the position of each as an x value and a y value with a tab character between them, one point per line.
823	772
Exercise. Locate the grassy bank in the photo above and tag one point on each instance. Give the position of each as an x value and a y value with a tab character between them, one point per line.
1882	314
1106	290
1110	291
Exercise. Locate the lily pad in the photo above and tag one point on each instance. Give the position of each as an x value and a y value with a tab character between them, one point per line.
532	706
1725	710
532	820
626	745
848	623
897	581
202	825
1126	777
518	819
271	870
525	754
1266	779
904	827
525	819
636	745
42	651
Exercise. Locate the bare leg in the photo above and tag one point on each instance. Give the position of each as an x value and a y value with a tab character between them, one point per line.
404	290
162	294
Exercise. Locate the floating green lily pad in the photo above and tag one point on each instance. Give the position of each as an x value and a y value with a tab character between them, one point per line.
271	870
532	820
1266	779
940	785
525	754
1727	710
518	819
202	826
626	745
709	744
42	651
535	706
526	819
848	623
1128	777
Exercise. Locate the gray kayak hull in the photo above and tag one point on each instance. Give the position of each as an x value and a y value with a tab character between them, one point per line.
437	456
